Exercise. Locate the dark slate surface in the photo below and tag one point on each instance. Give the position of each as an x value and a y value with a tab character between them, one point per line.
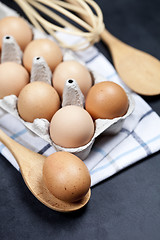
124	207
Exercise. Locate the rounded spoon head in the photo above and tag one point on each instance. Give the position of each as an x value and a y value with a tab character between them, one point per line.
31	166
139	70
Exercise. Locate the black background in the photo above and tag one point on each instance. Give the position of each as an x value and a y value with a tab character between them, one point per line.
123	207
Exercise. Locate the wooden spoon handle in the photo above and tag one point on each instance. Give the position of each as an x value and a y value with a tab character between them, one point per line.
108	38
20	153
116	46
12	145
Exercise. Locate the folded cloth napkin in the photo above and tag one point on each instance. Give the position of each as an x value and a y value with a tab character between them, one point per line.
138	138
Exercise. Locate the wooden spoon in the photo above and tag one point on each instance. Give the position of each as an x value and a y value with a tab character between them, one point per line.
139	70
31	165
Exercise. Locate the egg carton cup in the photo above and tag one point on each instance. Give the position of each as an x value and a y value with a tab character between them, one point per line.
40	127
72	94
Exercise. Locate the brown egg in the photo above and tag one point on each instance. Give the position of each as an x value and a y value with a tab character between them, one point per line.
71	127
45	48
106	100
13	77
37	100
66	176
18	28
71	70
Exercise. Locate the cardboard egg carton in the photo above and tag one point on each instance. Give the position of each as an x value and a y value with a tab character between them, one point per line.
72	95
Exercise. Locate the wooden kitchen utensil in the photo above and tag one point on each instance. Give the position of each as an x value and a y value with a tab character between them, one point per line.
31	165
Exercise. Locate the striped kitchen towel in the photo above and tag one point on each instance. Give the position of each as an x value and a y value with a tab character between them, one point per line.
138	138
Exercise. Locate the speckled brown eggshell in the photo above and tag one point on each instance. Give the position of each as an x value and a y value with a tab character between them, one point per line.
45	48
71	127
37	100
66	176
13	78
18	28
106	100
71	69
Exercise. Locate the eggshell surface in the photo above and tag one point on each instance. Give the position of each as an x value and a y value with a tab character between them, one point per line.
18	28
13	77
66	176
106	100
37	100
71	70
71	127
45	48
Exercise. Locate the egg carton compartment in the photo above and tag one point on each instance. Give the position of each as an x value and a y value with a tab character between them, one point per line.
72	95
41	126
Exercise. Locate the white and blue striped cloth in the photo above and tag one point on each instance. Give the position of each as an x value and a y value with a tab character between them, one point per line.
139	137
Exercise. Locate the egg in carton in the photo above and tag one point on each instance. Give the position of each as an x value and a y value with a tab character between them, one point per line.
72	95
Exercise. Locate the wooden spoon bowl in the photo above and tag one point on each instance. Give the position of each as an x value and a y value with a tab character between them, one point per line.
139	70
31	165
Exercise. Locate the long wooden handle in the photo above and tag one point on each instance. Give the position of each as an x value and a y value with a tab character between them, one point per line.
12	145
20	153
